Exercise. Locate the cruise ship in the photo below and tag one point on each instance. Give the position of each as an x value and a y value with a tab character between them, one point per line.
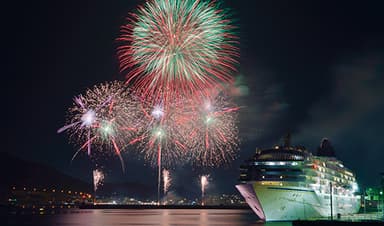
285	183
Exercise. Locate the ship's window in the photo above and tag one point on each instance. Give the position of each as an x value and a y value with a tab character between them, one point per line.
280	156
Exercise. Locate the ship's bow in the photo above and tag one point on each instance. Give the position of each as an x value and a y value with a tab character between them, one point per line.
247	191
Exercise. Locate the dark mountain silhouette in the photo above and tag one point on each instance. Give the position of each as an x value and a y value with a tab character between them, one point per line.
21	173
17	172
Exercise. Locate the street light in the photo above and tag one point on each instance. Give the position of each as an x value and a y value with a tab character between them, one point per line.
382	201
331	199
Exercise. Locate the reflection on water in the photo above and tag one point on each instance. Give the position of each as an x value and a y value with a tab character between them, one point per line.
146	217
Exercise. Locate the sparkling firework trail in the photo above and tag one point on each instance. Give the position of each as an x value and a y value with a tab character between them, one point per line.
161	137
166	180
173	47
98	179
204	184
103	117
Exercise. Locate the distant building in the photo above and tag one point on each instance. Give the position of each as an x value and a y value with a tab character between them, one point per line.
24	197
224	200
374	197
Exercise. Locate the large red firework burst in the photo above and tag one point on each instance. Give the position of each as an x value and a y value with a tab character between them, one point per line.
172	47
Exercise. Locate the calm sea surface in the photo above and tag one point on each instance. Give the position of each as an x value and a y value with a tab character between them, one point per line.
146	217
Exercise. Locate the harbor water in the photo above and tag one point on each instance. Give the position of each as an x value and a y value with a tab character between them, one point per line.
140	217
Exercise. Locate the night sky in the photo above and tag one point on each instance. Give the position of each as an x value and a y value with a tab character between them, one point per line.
312	68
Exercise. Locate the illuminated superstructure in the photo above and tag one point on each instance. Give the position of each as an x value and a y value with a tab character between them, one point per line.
290	183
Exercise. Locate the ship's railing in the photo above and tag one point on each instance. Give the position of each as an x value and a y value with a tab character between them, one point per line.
375	216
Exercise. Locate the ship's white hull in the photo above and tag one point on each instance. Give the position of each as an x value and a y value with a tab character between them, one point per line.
285	203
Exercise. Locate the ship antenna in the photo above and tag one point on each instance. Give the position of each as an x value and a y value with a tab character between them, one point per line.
287	140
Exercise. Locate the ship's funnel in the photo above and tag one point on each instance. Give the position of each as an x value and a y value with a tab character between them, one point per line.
326	148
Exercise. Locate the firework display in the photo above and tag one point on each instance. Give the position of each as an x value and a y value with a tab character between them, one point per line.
172	47
103	118
162	140
178	58
163	135
98	179
214	135
204	183
166	180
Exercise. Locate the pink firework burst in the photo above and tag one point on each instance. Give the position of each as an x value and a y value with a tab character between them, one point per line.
104	117
213	133
161	136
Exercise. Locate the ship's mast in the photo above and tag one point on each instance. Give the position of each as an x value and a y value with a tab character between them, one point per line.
287	140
